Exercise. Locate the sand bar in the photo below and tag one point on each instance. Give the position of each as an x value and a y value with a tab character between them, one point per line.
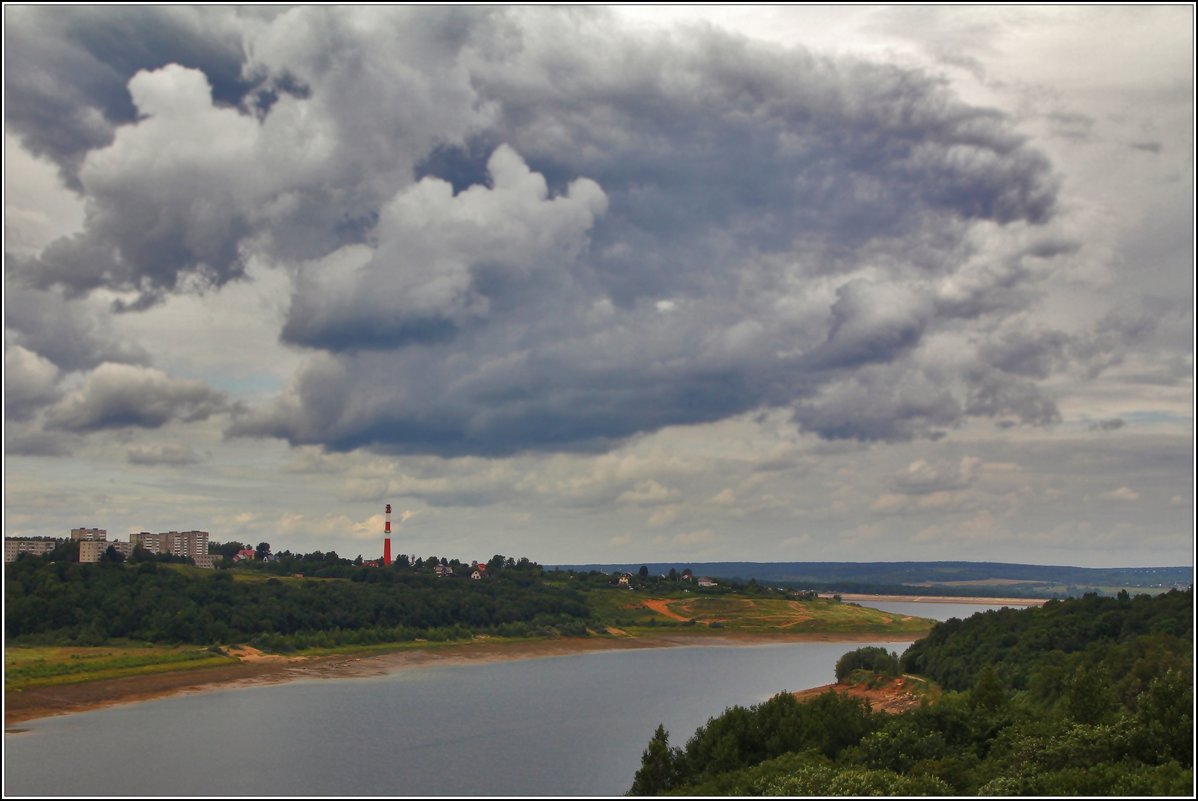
254	670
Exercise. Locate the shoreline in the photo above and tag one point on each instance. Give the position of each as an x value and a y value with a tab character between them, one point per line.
67	699
942	599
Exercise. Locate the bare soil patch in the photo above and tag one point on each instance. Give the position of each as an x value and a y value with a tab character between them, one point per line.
892	697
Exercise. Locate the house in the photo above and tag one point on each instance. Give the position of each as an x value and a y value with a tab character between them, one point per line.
442	571
706	582
480	572
624	579
244	553
687	575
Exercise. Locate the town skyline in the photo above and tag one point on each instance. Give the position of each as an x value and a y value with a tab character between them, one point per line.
606	284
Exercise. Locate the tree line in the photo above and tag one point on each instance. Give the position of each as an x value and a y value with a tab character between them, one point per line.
71	603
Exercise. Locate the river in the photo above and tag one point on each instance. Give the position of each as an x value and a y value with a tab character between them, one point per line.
568	725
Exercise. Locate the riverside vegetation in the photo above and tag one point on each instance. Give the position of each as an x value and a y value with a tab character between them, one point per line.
317	603
1081	697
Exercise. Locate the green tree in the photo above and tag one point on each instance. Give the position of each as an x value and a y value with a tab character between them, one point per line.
643	572
988	692
1089	698
1164	717
659	766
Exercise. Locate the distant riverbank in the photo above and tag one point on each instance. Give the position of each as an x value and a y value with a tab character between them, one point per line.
256	668
940	599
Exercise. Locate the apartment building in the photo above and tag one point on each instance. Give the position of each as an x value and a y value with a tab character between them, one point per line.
84	534
15	547
92	550
177	543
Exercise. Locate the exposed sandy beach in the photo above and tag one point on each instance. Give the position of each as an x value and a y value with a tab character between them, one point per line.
255	669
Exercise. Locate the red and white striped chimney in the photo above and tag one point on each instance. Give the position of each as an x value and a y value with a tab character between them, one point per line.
387	538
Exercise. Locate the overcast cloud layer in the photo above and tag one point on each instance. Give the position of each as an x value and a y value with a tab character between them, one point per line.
587	284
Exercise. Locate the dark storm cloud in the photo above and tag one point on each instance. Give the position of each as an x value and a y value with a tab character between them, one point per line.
1029	353
126	396
512	230
993	393
887	403
66	69
68	333
174	197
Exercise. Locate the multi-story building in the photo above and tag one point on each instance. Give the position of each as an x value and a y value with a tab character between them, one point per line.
82	534
151	542
92	550
15	547
177	543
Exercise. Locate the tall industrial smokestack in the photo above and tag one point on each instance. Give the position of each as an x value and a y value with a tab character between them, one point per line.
387	538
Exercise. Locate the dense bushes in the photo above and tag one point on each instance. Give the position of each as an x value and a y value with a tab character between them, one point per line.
872	658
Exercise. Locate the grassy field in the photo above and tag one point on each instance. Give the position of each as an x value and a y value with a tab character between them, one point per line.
28	667
634	610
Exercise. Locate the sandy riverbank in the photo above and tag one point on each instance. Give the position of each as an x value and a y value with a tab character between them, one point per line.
253	670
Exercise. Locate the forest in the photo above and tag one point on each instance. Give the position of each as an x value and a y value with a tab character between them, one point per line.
334	603
1082	697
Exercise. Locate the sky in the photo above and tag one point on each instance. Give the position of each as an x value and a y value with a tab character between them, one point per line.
605	284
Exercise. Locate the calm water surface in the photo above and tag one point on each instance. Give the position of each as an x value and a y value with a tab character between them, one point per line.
932	610
573	725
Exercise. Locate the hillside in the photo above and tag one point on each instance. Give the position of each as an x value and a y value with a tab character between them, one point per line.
61	603
1083	697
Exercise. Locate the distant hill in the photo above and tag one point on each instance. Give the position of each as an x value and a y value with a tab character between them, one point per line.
938	578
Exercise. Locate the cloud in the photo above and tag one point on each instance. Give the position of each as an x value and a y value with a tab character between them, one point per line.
514	232
647	493
1112	424
920	477
169	455
124	396
873	323
33	442
1124	493
74	335
443	259
30	382
700	537
68	92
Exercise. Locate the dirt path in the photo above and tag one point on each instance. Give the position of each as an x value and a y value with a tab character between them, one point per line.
662	607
